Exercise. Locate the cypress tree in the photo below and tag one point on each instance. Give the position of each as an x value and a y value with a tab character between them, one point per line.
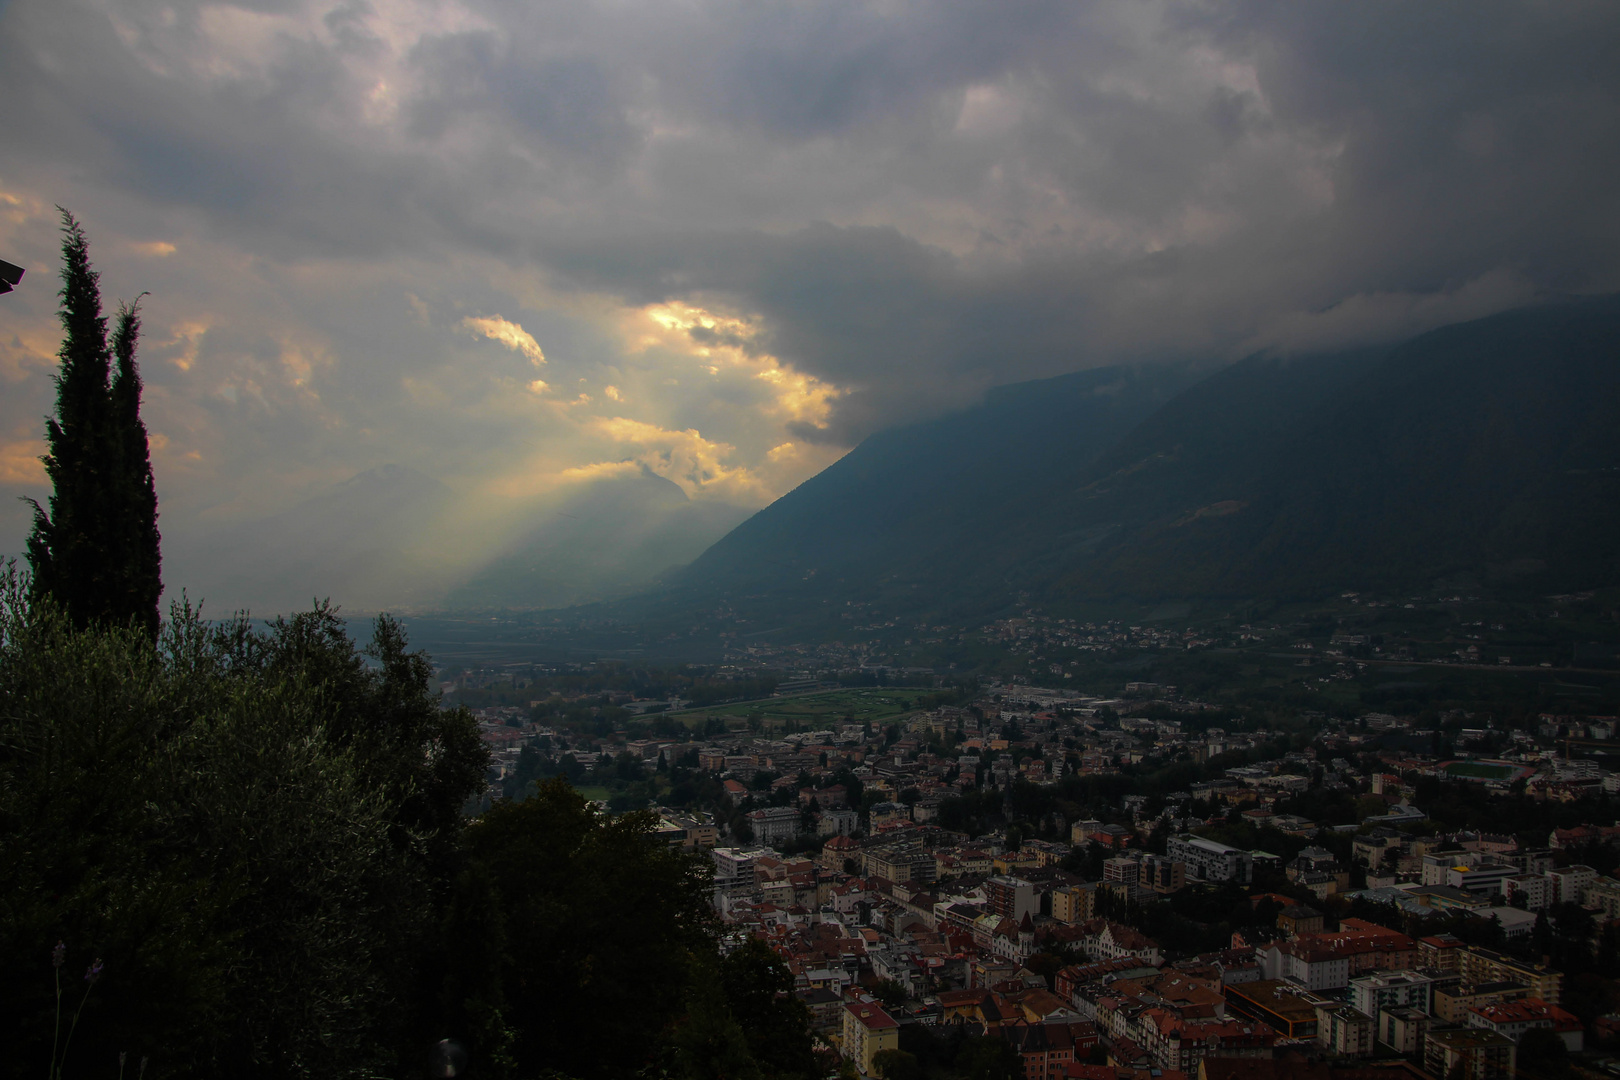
96	552
140	583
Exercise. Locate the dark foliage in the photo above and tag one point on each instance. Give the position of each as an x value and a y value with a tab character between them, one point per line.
951	1051
260	835
96	553
602	922
759	989
1542	1055
245	826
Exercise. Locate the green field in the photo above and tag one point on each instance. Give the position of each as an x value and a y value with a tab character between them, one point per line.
1481	771
809	712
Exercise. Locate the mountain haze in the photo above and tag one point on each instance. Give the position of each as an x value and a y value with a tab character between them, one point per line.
1481	456
609	539
393	538
350	543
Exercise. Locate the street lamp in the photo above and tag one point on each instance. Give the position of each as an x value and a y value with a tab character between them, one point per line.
9	276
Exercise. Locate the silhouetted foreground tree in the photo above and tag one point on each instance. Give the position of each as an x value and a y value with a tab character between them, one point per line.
243	825
97	551
258	832
759	988
608	961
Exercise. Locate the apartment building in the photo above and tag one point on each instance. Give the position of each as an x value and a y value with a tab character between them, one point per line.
1388	990
1074	903
1012	897
868	1031
1487	966
1209	860
1481	1054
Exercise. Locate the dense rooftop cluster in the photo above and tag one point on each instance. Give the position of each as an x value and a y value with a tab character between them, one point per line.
1119	883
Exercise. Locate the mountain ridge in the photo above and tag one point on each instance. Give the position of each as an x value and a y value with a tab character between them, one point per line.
1458	454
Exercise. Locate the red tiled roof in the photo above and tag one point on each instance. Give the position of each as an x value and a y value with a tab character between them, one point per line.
1077	1071
871	1015
956	998
1527	1010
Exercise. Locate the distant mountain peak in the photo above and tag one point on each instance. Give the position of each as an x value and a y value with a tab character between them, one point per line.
389	475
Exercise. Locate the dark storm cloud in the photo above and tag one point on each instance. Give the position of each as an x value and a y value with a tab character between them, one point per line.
907	201
1472	135
573	103
251	155
797	71
1466	136
860	307
1382	151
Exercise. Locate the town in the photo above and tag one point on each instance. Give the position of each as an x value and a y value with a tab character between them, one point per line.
1018	866
792	541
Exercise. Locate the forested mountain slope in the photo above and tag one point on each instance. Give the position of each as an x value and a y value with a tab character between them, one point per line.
1485	454
1488	452
923	502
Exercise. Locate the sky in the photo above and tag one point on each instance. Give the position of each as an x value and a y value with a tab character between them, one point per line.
523	248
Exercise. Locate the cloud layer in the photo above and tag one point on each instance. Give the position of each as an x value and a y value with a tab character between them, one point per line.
518	247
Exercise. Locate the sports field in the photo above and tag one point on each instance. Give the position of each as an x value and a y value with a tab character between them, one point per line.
1483	770
809	712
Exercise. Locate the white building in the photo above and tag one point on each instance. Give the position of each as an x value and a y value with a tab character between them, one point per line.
1211	861
1485	878
1514	1018
1570	881
774	824
837	823
1390	990
734	867
1515	922
1311	964
1534	891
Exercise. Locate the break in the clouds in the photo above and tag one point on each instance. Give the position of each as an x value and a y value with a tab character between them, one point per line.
510	334
523	249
